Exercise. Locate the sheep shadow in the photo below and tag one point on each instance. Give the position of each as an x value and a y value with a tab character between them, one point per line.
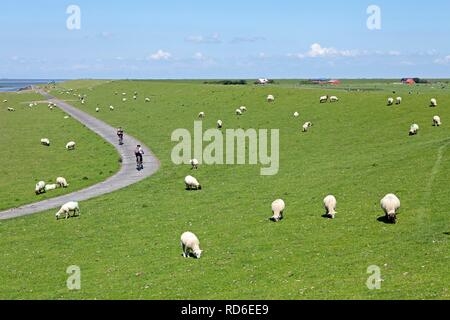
327	216
447	233
190	255
384	219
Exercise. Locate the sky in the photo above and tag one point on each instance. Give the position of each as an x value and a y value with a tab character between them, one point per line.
179	39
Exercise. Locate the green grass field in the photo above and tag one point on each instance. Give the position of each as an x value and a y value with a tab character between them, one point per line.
25	161
127	243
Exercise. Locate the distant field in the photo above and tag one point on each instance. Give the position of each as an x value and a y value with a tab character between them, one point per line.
25	161
127	243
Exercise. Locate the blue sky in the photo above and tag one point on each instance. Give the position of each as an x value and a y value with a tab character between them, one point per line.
224	39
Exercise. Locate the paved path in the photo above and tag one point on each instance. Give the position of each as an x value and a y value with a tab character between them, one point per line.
127	175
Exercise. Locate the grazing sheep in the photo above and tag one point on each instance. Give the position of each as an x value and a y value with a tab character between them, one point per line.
97	109
192	183
219	124
390	205
323	99
330	205
433	103
45	142
190	243
5	101
334	99
399	100
11	109
67	209
124	93
66	117
40	187
147	99
49	187
390	101
194	163
296	114
278	207
124	99
414	129
306	126
50	108
111	108
243	109
70	145
437	121
270	98
135	97
62	182
238	112
31	105
201	115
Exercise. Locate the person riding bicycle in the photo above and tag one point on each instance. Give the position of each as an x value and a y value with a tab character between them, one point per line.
120	134
138	152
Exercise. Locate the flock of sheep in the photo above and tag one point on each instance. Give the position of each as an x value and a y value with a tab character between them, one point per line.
42	187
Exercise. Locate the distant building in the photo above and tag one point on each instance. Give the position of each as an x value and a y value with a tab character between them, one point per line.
262	81
325	81
409	81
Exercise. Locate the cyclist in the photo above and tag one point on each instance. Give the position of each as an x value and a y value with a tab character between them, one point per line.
138	152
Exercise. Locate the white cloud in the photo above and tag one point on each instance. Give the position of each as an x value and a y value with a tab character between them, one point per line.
317	51
247	39
394	53
161	55
199	56
214	38
445	60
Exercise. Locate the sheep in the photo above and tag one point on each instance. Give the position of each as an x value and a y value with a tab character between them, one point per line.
31	105
134	97
62	182
11	109
437	121
49	187
66	117
270	98
5	101
124	99
390	101
192	183
306	126
278	207
399	100
219	124
50	108
70	145
194	163
238	112
296	114
414	129
334	99
111	108
124	93
67	209
243	109
390	205
330	206
323	99
45	142
97	109
190	243
433	103
201	115
40	187
147	99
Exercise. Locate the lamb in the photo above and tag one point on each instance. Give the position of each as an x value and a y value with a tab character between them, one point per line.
40	187
390	101
49	187
67	209
278	207
270	98
437	121
201	115
219	124
45	142
70	145
306	126
192	183
324	99
390	205
296	114
238	112
334	99
433	103
330	205
62	182
399	100
190	243
194	163
243	109
11	109
414	129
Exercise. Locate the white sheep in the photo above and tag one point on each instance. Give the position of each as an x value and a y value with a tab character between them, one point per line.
334	99
201	115
296	114
390	205
66	117
111	108
278	207
40	187
45	142
306	126
433	103
390	101
194	163
238	112
270	98
190	243
31	105
67	209
5	101
124	93
219	124
399	100
323	99
414	129
134	97
124	99
71	145
437	121
11	109
97	109
330	206
62	182
49	187
243	109
192	183
147	99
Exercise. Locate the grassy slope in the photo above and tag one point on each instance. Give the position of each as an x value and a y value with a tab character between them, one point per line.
126	243
25	161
